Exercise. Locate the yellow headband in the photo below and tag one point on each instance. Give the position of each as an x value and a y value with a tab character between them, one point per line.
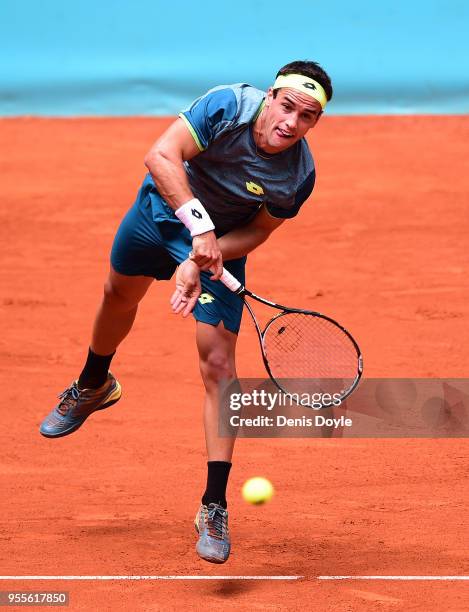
308	86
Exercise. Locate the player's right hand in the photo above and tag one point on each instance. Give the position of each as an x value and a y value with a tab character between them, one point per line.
206	254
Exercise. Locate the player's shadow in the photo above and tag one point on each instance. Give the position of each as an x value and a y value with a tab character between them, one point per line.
225	588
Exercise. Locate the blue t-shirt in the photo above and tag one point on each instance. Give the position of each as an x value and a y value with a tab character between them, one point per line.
230	176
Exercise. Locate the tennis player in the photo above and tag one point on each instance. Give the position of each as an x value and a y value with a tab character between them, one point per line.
222	178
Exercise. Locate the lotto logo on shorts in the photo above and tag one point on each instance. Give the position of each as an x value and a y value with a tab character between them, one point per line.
255	189
206	298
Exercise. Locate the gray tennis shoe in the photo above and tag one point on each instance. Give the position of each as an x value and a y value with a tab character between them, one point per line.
76	405
211	523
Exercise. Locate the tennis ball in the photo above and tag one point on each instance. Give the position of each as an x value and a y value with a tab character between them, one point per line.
257	490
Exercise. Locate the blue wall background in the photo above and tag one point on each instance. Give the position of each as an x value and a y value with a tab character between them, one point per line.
145	57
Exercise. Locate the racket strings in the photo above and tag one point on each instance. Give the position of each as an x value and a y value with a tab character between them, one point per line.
305	346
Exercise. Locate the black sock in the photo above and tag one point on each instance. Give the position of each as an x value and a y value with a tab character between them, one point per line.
94	374
217	479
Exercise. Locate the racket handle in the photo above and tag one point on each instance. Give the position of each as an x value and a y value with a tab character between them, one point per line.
231	282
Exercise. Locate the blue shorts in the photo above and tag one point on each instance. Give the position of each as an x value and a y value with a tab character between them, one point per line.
151	241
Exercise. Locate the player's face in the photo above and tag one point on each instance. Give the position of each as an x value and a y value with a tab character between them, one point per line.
286	119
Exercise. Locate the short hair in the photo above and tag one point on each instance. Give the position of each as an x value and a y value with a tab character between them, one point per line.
310	69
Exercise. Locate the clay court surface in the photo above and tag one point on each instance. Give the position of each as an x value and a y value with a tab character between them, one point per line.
381	246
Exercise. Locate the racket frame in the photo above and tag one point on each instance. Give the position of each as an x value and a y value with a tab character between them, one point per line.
243	292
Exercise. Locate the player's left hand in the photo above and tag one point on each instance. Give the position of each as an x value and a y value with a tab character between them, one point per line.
188	288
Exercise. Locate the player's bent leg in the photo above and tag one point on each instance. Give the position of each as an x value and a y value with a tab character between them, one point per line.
114	320
216	347
117	310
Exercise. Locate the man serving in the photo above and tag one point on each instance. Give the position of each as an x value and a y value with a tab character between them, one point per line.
228	172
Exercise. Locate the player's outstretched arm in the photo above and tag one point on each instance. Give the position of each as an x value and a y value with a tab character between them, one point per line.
240	242
165	161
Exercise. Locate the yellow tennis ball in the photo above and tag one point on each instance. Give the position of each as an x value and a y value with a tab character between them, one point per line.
257	490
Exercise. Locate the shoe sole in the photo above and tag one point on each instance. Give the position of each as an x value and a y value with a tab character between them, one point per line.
211	560
112	399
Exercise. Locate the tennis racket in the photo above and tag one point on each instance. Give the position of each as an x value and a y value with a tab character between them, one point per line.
304	352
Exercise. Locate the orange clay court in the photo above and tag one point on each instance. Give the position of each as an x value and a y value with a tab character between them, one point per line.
381	247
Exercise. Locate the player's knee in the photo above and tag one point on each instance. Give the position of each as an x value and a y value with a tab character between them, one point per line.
117	297
216	365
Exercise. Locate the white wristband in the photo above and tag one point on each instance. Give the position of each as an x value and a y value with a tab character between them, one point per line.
195	217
